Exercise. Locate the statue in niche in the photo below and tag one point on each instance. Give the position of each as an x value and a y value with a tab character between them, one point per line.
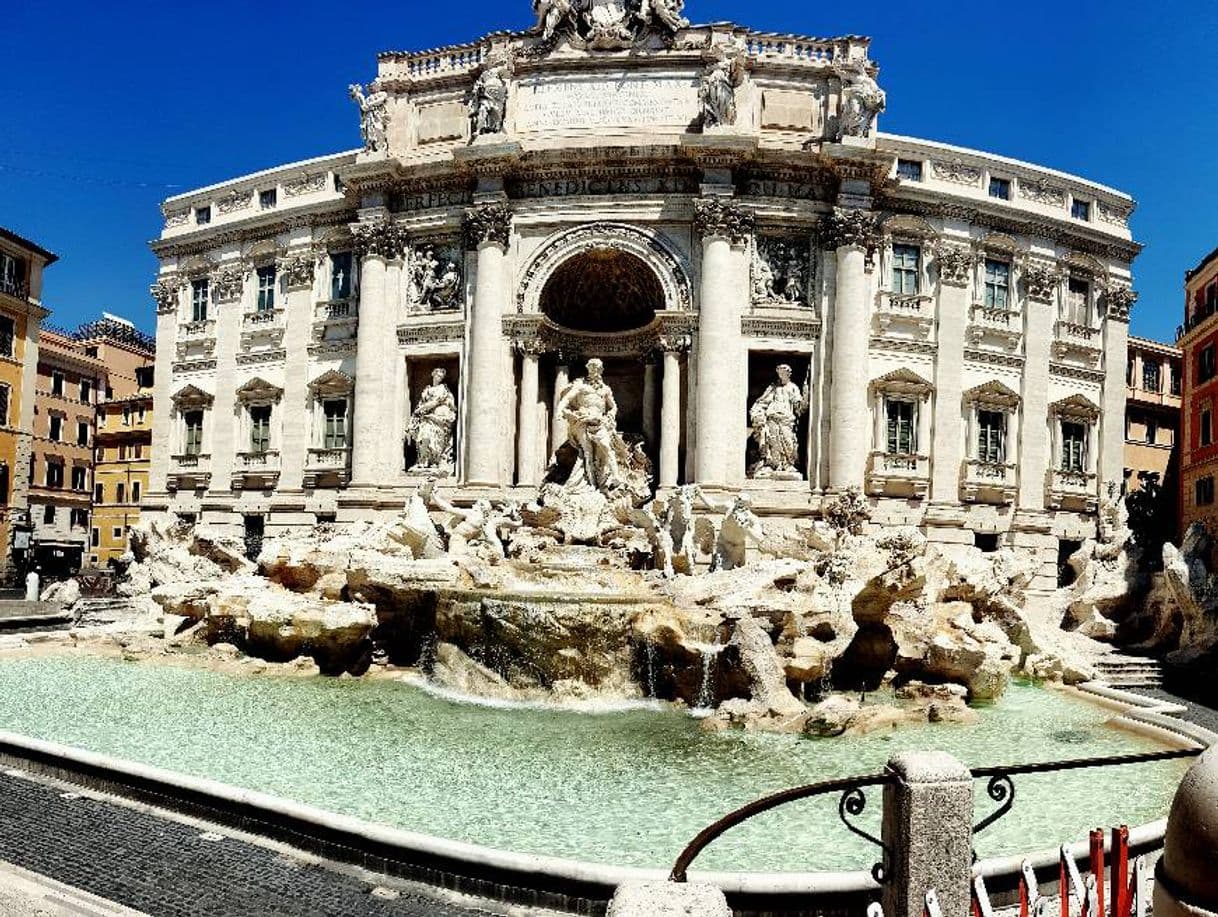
436	283
719	84
773	417
779	271
373	119
432	425
488	101
590	410
862	100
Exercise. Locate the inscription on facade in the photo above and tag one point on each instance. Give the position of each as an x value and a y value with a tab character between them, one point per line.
600	185
622	101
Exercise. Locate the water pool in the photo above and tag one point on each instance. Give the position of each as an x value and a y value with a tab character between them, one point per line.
626	788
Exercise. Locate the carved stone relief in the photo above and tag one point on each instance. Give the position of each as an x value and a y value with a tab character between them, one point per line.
435	277
781	270
608	24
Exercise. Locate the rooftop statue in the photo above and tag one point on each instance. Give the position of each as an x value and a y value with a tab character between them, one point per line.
608	24
719	84
373	119
862	99
488	100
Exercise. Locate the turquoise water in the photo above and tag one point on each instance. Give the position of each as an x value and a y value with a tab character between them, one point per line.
627	788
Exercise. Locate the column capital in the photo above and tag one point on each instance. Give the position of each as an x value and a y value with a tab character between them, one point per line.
955	263
488	223
530	347
846	228
716	217
165	292
673	343
1040	279
297	269
1118	303
381	238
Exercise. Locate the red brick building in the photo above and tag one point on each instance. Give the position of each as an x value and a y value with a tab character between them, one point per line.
1198	344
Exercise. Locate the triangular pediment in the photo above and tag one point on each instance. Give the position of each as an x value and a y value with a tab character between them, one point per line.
992	392
332	382
1076	406
191	396
902	381
258	389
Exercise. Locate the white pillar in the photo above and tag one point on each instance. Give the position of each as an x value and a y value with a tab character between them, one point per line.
1118	304
393	377
848	390
558	425
367	431
670	419
298	272
170	297
1036	455
950	445
489	227
527	428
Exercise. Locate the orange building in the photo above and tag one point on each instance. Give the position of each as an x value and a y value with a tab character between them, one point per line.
1152	411
22	263
1198	342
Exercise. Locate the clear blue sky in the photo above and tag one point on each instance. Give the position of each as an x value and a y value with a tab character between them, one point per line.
110	107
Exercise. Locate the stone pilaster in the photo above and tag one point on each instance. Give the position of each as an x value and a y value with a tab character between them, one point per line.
297	270
851	234
955	265
725	228
168	295
1118	303
1040	281
221	435
488	232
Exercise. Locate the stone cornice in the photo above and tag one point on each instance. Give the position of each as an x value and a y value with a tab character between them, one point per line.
253	230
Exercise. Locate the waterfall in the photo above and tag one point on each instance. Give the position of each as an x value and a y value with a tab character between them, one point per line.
706	698
650	650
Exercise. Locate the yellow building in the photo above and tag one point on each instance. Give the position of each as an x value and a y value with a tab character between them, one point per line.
21	313
123	440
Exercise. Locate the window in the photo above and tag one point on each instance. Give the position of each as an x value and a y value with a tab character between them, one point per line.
79	519
905	269
266	288
82	433
4	485
95	538
1152	430
1207	363
1074	446
144	376
78	478
1175	379
260	428
202	216
901	419
1151	373
1081	210
141	413
48	515
1205	423
1078	300
1000	188
135	491
116	532
120	492
139	450
99	494
4	393
340	275
268	198
8	330
986	541
198	300
86	391
194	432
909	169
90	351
991	437
12	274
126	415
997	284
56	432
1203	491
56	382
54	474
336	424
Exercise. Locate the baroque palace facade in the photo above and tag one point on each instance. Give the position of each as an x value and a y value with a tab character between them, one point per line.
696	207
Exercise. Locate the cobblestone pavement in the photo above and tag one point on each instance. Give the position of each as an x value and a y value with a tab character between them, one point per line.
168	868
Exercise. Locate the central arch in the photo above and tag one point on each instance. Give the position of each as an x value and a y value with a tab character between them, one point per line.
602	290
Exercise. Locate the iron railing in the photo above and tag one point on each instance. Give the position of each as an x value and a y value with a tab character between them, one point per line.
1000	788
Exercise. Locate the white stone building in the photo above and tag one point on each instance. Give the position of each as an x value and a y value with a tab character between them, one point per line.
694	213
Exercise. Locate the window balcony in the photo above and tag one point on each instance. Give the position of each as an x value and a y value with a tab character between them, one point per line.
189	472
334	322
327	467
258	470
196	339
263	329
1080	341
18	289
1073	490
197	331
264	318
988	482
892	474
901	315
992	325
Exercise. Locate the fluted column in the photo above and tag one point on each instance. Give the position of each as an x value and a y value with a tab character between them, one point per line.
527	427
670	416
488	229
378	243
723	226
947	451
1118	303
851	234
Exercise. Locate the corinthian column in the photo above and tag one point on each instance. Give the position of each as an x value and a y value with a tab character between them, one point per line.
670	410
528	428
955	264
488	229
725	228
851	234
377	243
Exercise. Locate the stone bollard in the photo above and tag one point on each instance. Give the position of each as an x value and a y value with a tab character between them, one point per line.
928	830
1186	880
668	899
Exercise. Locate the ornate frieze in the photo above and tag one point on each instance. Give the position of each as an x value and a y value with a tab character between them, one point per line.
607	183
668	332
436	277
305	184
165	292
993	358
227	284
1040	279
716	217
846	227
1115	216
781	270
380	239
789	184
235	201
262	356
488	223
175	218
297	270
431	197
1077	373
1119	302
442	333
956	263
784	329
1042	192
956	171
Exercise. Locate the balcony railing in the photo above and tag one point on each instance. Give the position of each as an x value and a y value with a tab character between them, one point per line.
1070	489
19	289
1003	324
325	459
258	461
264	318
1078	339
898	474
988	482
913	314
337	310
190	462
197	331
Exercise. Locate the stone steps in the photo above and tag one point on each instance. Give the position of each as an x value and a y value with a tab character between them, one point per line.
1130	671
